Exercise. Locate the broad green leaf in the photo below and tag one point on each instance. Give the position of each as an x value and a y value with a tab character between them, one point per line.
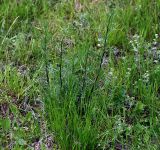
22	142
139	106
6	124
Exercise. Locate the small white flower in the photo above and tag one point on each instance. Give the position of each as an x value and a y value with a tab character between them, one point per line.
155	61
155	43
154	48
128	74
98	45
100	39
110	73
156	36
123	57
146	77
129	69
135	49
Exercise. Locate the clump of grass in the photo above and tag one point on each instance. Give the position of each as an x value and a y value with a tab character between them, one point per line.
107	109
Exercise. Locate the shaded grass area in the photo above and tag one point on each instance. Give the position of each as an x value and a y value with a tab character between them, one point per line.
57	72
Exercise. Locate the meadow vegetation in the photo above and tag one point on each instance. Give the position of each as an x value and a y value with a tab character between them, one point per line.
80	74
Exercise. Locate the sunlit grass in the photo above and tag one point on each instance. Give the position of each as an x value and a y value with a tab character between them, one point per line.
56	70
